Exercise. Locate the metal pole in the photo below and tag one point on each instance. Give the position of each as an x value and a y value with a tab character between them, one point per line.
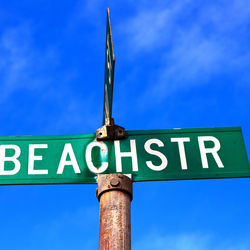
115	194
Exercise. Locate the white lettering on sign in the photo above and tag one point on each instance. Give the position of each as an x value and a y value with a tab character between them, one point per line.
119	155
182	153
104	151
158	158
164	161
4	158
68	150
33	157
214	151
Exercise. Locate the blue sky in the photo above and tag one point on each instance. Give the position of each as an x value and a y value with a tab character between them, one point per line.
179	64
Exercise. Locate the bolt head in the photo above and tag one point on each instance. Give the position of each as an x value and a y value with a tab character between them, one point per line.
114	182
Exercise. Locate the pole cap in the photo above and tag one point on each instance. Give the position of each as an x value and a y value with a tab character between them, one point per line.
109	182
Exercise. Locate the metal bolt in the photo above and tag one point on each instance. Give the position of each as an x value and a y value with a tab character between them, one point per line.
114	182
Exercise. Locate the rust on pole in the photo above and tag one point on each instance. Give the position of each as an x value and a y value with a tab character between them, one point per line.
114	193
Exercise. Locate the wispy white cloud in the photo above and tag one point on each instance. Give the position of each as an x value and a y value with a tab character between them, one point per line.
193	42
89	12
35	70
23	66
151	28
147	30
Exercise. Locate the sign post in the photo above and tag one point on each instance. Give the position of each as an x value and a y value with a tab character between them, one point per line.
115	194
114	191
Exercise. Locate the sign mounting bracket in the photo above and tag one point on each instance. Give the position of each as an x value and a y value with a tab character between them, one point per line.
110	131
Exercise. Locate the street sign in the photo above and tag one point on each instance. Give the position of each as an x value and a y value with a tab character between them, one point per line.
169	154
109	73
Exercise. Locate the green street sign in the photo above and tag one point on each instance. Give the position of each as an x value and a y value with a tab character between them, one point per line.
109	73
169	154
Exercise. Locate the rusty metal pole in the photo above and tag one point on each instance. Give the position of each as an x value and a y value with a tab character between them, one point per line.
115	195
